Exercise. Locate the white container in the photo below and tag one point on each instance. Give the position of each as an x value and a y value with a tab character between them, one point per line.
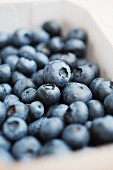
31	15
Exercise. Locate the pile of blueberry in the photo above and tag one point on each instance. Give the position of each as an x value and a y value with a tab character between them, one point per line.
52	98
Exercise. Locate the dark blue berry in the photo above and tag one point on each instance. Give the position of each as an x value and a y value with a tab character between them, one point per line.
26	148
14	128
17	76
36	110
12	61
4	143
29	95
37	78
77	113
2	112
76	92
4	38
48	94
5	89
76	136
108	103
10	100
41	59
5	156
56	44
44	48
96	109
5	73
57	72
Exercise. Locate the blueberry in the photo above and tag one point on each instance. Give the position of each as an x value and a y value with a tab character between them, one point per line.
4	143
14	128
55	147
76	136
94	85
28	95
48	94
44	48
12	61
3	39
68	57
36	110
76	92
57	72
5	89
41	59
83	74
102	130
25	66
34	127
27	51
56	44
2	112
17	76
95	68
76	46
40	35
52	27
88	124
5	156
18	109
51	128
7	51
37	78
108	103
78	33
77	113
22	85
104	89
21	37
96	109
26	148
5	73
81	62
10	100
58	111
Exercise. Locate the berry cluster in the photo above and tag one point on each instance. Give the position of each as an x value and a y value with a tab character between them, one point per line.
52	98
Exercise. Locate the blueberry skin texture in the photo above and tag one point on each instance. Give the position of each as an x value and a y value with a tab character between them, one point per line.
104	89
34	127
77	113
12	61
51	128
18	109
55	147
3	39
83	74
17	76
102	130
5	73
108	103
52	27
22	85
94	85
10	100
2	112
25	66
38	78
41	59
27	51
5	89
88	124
40	35
68	57
78	33
95	68
36	110
58	111
4	143
29	95
21	37
76	92
76	46
7	51
5	156
26	148
96	109
48	94
44	48
81	62
56	44
14	128
57	72
76	136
